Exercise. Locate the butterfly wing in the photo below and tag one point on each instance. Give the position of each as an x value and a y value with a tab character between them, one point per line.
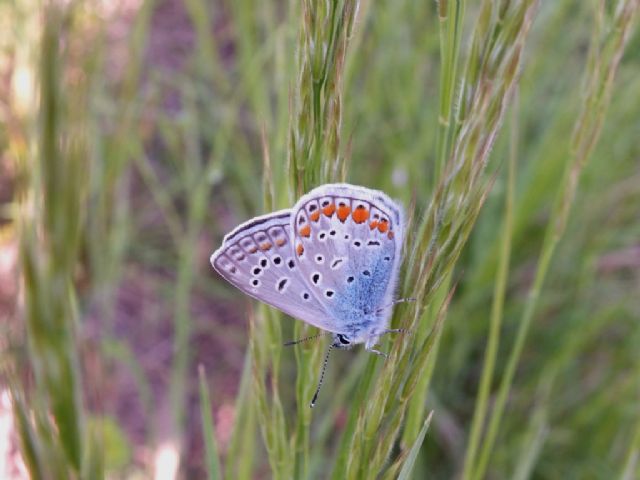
257	257
348	243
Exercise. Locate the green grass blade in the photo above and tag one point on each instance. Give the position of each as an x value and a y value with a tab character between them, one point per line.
208	431
491	352
409	463
631	467
241	452
30	444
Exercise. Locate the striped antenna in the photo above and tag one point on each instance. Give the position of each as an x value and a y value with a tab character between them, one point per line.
324	367
295	342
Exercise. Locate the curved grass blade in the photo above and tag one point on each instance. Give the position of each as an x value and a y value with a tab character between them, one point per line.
213	460
407	467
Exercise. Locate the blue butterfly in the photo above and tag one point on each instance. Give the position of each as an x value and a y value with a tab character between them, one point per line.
331	261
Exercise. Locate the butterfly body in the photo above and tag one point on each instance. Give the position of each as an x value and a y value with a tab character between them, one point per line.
331	261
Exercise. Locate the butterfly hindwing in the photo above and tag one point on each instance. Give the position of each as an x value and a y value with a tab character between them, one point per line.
257	257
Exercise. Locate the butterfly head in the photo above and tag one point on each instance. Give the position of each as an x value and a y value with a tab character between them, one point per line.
342	340
346	341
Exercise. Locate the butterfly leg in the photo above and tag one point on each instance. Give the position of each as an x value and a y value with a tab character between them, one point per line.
395	330
379	353
395	302
373	340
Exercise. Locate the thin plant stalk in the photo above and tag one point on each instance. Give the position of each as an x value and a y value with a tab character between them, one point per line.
536	434
604	61
495	323
198	187
241	450
450	22
208	430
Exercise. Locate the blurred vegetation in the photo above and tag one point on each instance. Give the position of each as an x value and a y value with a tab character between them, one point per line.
509	129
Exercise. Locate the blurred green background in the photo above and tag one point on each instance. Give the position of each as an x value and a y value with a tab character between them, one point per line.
134	135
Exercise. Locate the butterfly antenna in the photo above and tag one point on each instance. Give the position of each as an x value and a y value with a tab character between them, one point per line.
324	367
295	342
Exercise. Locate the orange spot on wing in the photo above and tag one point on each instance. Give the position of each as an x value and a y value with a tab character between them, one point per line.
315	216
305	231
280	242
360	214
343	212
299	249
253	249
329	209
265	246
373	225
383	225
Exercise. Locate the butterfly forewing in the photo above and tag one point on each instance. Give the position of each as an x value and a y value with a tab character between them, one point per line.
258	258
347	242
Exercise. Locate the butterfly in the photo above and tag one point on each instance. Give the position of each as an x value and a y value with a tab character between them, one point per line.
331	261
